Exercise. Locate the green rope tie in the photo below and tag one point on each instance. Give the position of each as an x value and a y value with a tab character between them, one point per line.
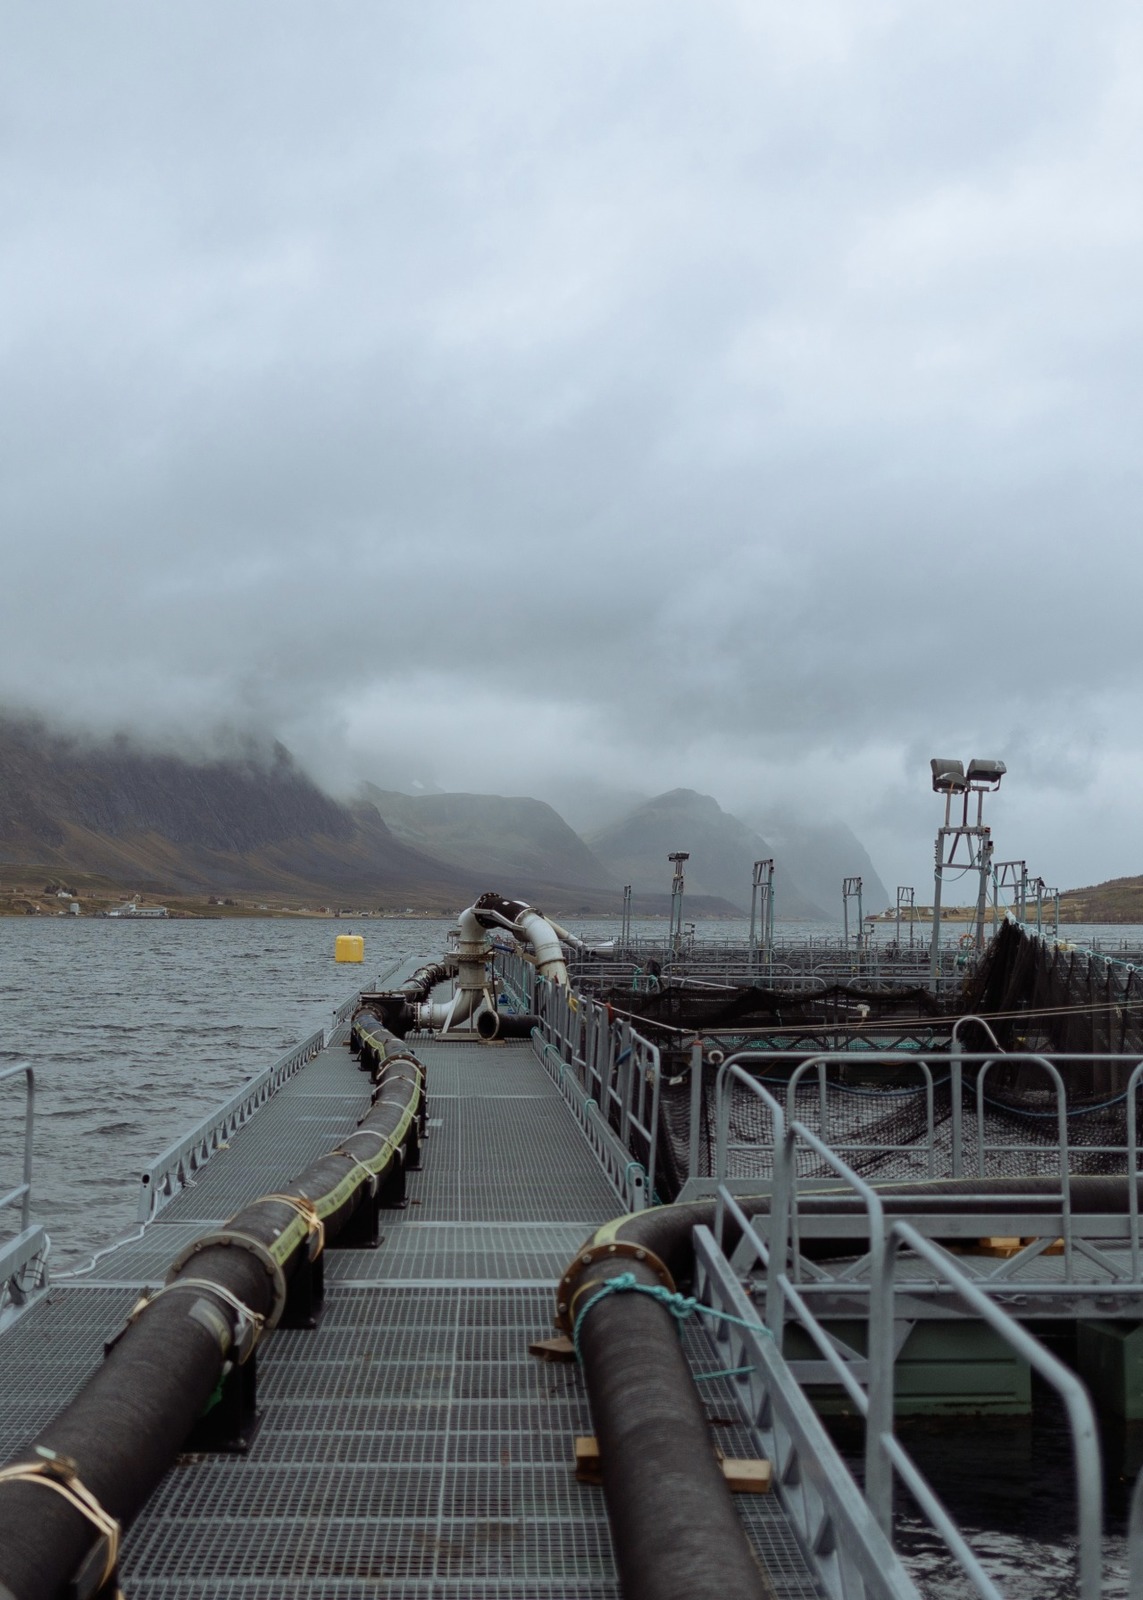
681	1306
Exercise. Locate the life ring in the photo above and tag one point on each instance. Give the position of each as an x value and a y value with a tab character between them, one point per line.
967	940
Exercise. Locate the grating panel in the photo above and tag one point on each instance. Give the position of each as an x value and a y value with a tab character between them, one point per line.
394	1435
334	1070
420	1251
509	1160
66	1324
530	1588
368	1547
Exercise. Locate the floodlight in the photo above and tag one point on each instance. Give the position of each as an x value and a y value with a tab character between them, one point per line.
948	776
989	772
679	855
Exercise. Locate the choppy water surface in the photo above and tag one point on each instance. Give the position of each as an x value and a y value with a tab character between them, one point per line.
137	1029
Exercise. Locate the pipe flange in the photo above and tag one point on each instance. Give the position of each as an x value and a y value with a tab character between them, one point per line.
572	1286
241	1241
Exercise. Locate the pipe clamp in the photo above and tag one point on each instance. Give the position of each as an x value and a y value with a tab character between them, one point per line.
241	1241
59	1473
308	1212
572	1286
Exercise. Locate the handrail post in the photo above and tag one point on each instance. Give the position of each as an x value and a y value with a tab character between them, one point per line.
694	1143
779	1231
1133	1170
956	1069
25	1191
880	1387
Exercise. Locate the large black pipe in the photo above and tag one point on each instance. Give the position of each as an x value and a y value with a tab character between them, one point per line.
125	1427
505	1025
674	1527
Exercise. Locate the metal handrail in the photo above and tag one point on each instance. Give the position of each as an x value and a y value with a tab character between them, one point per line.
23	1190
1062	1129
884	1454
981	1022
781	1289
1078	1406
179	1161
875	1059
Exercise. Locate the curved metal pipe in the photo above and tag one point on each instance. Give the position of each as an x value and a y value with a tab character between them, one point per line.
525	922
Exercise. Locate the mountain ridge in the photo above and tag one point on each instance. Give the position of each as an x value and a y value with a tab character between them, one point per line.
254	821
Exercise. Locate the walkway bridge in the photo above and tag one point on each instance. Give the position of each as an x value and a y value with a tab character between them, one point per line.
411	1443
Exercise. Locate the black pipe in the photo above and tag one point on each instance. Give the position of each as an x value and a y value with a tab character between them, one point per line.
675	1530
125	1427
425	979
505	1025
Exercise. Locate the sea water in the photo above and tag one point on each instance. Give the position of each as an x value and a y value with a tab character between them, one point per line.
137	1030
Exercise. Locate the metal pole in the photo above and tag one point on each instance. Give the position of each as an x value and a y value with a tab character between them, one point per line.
851	889
982	897
769	919
935	951
694	1147
956	1070
677	857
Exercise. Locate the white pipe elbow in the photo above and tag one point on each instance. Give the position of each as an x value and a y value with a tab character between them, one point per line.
546	947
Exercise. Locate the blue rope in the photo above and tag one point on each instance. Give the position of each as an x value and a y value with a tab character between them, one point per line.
681	1306
1080	1111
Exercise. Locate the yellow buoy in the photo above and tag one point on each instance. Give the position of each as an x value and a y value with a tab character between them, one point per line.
349	947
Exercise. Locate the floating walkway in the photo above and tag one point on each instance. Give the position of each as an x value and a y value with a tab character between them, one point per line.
409	1444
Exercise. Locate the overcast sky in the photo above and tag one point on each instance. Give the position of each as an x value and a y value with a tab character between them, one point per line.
744	396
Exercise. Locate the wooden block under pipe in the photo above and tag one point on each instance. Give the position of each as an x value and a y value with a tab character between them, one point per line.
558	1349
742	1475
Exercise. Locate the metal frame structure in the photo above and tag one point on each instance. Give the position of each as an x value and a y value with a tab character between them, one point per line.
610	1076
851	890
762	911
677	886
773	1247
949	779
906	901
24	1258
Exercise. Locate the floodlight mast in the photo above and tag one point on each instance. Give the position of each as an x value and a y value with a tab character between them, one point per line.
762	911
677	857
625	924
1010	875
851	890
950	779
906	901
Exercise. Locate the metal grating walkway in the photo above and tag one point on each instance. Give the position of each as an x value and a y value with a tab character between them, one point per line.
409	1444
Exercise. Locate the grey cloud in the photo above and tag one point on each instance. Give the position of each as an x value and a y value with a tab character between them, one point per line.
722	395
